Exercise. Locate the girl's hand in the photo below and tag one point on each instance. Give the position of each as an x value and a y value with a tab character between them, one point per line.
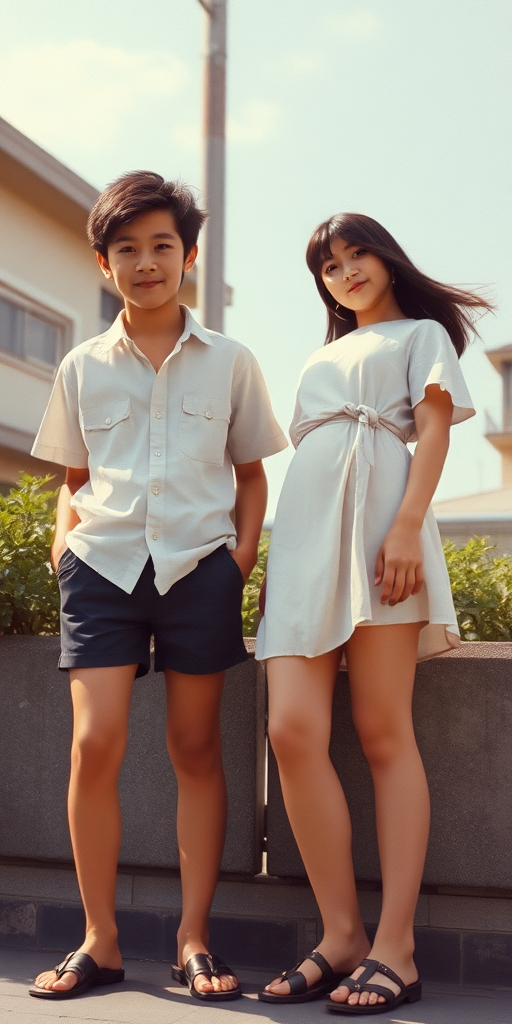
399	565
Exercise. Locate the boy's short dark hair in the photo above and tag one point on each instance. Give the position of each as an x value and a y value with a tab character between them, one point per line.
138	192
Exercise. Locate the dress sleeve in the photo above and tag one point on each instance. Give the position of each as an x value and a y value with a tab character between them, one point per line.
433	360
59	438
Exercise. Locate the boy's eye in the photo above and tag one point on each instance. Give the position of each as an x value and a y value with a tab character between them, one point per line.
163	245
127	248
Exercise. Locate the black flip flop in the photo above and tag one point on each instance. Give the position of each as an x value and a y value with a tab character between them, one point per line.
299	991
211	966
88	973
407	994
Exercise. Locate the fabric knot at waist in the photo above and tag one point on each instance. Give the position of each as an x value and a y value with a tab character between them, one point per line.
369	421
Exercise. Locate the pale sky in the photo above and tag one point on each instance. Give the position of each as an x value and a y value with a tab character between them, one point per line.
400	109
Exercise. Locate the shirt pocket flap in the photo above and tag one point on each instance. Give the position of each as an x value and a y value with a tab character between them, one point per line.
210	408
105	417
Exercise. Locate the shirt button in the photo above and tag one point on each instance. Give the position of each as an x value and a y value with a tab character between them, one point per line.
158	415
208	414
108	420
156	490
155	536
158	454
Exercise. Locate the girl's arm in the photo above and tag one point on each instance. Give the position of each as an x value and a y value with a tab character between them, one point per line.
67	518
399	565
250	506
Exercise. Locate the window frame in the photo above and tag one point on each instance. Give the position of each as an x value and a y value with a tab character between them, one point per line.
43	312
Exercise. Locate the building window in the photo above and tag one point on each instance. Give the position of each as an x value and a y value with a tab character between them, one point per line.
111	305
30	333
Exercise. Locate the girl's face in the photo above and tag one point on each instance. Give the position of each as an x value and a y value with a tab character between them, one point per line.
360	281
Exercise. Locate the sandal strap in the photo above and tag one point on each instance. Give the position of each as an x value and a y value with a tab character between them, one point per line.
296	979
364	984
200	963
355	986
207	964
219	967
323	964
374	966
80	964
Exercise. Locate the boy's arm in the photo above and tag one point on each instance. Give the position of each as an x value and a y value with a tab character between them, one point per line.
66	518
250	506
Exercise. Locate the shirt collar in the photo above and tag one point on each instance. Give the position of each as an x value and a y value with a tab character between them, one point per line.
118	331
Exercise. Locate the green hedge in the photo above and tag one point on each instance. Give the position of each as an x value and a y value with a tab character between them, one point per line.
29	593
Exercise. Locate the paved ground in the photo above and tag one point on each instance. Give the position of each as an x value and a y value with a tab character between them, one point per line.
147	998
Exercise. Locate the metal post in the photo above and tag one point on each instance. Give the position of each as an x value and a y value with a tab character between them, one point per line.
211	265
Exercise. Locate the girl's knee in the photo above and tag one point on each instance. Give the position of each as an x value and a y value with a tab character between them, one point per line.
384	742
292	740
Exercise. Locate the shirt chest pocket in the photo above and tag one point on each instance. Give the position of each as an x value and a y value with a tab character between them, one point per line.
105	425
204	428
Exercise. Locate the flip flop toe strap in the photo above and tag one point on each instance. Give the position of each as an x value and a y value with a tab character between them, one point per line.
296	979
219	968
207	964
80	964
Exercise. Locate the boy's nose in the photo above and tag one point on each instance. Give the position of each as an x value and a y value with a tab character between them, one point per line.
146	263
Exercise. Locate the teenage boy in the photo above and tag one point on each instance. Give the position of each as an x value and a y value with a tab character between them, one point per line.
150	419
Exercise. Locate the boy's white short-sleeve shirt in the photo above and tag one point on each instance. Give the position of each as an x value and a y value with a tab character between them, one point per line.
160	448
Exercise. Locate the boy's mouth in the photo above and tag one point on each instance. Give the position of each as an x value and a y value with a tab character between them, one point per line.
147	284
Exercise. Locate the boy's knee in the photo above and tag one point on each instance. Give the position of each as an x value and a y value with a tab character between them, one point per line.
96	751
194	752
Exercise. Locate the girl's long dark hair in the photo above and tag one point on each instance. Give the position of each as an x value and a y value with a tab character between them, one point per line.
418	296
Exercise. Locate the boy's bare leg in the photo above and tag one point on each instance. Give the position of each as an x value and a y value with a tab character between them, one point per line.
101	705
194	743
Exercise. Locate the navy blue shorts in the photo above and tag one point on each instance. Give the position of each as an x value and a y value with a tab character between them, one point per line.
196	625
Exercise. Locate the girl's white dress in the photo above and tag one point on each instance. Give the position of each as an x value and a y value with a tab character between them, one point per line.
352	421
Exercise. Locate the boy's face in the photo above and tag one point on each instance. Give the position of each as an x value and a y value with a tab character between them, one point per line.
146	260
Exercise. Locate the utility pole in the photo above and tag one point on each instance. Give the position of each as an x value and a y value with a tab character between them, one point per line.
211	265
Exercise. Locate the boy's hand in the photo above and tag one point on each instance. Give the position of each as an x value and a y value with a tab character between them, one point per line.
245	561
262	598
399	565
56	555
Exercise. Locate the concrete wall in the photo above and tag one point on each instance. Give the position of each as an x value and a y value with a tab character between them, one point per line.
463	717
35	732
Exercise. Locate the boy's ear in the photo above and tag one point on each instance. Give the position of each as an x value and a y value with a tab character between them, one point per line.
190	259
104	265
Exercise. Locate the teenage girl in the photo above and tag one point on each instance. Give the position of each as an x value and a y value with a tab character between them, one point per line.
356	573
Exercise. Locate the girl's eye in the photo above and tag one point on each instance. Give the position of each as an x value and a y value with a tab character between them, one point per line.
359	252
328	270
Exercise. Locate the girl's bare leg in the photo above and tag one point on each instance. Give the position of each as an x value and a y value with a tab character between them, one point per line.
194	743
101	705
300	712
381	662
